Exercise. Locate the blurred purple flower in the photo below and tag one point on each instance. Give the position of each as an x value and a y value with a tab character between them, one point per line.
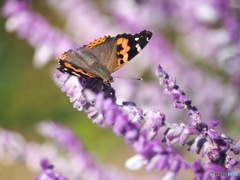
232	65
77	164
82	163
12	147
48	173
47	40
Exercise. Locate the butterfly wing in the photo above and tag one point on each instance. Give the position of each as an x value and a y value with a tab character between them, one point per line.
114	52
74	64
127	47
101	48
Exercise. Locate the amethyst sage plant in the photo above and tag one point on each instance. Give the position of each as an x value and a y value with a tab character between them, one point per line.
148	132
207	30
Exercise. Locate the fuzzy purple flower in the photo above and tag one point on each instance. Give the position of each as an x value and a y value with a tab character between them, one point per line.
47	41
77	164
48	173
126	122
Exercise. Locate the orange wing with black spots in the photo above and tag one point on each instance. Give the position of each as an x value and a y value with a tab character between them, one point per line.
114	52
122	54
127	47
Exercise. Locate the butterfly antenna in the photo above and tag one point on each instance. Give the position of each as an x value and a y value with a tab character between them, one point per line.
138	79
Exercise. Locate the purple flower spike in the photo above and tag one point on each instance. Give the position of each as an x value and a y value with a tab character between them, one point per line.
142	130
162	75
181	100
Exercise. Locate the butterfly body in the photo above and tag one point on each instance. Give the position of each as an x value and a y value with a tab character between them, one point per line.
103	56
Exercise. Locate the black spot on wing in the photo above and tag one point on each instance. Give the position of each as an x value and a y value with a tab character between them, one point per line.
119	48
121	61
120	56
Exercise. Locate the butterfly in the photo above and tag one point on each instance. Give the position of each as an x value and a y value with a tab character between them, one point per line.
103	56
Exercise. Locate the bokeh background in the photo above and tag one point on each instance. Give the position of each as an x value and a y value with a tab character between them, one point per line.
198	42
